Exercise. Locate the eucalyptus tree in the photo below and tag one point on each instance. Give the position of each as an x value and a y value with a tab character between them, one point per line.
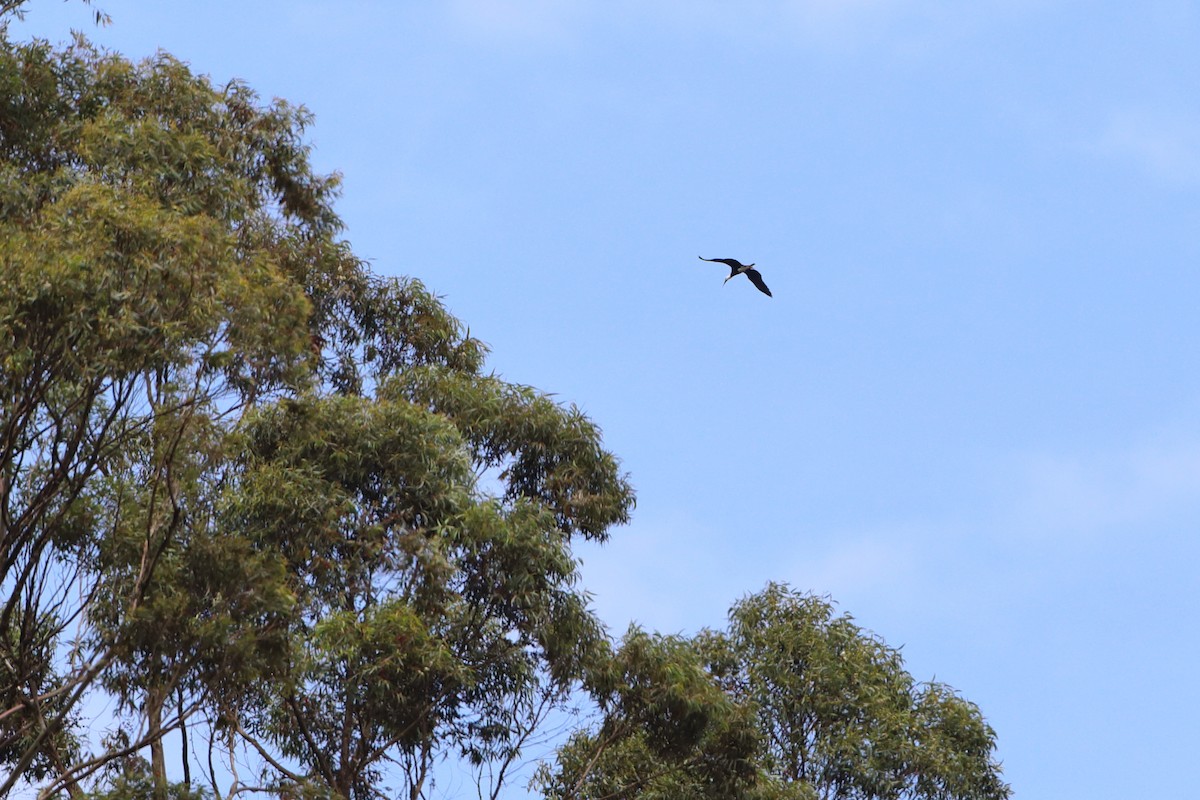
838	714
828	710
141	308
665	730
249	490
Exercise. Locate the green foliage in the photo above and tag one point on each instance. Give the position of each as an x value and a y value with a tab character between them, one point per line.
17	9
832	701
668	730
837	711
239	474
30	663
792	701
134	781
426	610
143	220
547	455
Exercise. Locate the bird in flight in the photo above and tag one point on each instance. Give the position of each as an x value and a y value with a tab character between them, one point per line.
738	268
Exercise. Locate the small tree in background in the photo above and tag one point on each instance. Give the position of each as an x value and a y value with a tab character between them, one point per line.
827	709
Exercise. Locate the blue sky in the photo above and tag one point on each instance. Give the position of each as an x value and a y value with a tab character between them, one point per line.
971	411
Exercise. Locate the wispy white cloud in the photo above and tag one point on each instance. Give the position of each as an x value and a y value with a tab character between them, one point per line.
1069	496
1045	514
857	565
676	573
1164	143
668	571
821	25
518	21
837	24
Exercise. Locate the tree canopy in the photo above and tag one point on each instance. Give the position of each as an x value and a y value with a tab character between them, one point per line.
809	706
259	498
241	474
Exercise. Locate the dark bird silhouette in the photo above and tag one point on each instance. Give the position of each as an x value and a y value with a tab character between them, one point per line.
738	268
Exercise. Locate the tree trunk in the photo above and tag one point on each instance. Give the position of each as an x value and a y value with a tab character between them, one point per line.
158	759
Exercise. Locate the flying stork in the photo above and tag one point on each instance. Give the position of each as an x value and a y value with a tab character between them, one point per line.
738	268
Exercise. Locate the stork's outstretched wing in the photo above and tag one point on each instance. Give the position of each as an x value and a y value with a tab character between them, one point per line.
757	280
732	263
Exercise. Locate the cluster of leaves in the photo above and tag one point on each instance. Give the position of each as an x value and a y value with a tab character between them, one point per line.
666	730
809	707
